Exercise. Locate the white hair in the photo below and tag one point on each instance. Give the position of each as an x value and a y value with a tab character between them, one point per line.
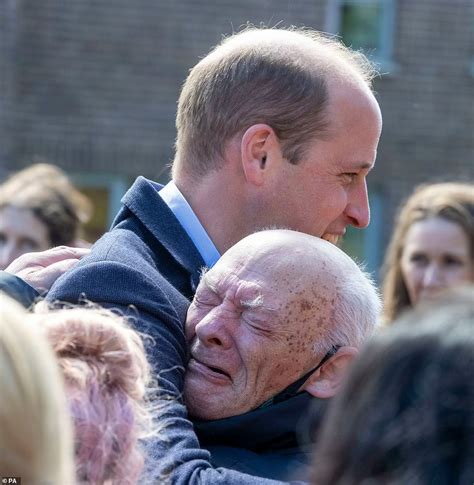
356	310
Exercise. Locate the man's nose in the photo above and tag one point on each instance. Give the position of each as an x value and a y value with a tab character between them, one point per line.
358	209
215	329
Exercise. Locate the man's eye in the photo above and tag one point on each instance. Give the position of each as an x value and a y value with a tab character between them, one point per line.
254	324
199	302
349	177
205	301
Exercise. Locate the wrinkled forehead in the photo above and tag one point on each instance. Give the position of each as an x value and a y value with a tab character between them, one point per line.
285	270
264	262
238	268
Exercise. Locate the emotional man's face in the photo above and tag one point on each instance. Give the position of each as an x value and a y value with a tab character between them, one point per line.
251	330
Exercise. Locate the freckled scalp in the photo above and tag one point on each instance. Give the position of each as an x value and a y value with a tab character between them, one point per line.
306	276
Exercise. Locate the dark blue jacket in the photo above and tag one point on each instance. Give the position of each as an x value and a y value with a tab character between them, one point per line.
147	268
17	289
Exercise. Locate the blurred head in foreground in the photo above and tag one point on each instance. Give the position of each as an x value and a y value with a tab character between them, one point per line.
406	412
106	375
432	247
35	429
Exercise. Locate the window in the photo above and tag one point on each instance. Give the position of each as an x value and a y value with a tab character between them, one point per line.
364	24
105	192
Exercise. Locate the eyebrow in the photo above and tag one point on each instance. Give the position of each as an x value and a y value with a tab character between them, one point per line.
207	281
257	303
365	166
253	303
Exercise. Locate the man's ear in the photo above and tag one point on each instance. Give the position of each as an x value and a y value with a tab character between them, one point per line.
260	151
326	381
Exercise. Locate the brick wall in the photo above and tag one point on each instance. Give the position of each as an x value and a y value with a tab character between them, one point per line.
7	81
98	81
93	85
427	102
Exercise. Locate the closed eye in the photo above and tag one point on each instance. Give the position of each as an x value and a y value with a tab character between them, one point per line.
203	302
257	327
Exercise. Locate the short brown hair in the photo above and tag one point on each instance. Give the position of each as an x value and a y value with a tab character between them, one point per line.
45	190
273	76
451	201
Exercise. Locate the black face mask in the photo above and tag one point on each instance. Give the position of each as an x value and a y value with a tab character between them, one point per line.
293	389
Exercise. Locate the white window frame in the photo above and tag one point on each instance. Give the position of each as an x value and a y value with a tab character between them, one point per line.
115	184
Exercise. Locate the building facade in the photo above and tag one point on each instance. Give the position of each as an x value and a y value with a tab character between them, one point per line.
92	86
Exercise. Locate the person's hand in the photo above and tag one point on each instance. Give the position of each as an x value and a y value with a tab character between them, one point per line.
41	269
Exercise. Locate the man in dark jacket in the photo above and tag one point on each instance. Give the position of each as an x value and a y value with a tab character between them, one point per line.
274	127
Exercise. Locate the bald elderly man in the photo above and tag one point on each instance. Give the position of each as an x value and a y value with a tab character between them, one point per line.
271	330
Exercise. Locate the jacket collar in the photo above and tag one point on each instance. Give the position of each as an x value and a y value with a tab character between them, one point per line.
143	201
274	427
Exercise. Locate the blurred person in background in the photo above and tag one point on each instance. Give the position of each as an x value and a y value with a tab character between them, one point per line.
432	246
405	414
39	209
35	429
106	378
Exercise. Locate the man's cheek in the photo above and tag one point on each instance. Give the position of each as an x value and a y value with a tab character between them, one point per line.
190	328
192	319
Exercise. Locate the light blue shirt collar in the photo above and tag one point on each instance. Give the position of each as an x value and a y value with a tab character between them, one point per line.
175	200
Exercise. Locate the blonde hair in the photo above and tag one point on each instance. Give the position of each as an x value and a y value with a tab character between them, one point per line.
35	430
451	201
106	375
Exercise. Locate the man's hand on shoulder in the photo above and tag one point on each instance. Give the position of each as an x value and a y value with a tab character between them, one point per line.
41	269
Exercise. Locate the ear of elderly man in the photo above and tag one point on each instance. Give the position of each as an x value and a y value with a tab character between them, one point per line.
276	128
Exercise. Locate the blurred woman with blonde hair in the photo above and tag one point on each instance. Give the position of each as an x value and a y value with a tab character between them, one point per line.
432	247
106	377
